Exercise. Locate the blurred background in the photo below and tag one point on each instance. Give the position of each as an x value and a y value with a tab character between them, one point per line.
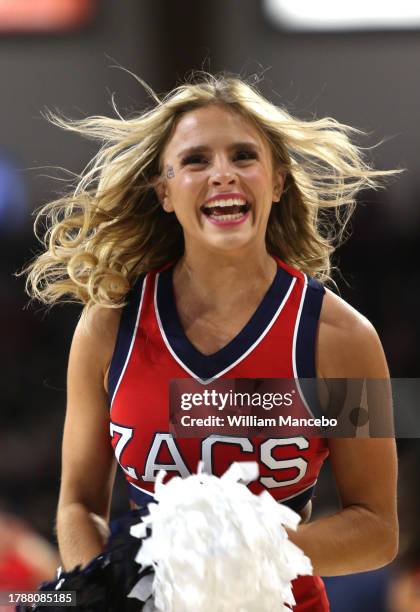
62	55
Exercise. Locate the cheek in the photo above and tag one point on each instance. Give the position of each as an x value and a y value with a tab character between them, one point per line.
184	186
184	193
191	181
259	179
262	186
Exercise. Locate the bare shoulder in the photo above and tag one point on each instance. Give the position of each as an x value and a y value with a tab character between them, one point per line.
95	336
348	345
100	324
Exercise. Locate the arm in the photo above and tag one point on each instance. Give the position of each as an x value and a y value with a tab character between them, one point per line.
363	535
88	467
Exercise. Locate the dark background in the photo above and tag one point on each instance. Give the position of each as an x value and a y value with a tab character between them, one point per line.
369	80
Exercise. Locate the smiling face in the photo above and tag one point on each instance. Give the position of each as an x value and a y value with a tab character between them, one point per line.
218	178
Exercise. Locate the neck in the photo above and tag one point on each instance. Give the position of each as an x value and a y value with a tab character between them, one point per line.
216	280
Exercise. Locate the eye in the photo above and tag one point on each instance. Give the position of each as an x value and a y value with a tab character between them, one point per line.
194	159
245	155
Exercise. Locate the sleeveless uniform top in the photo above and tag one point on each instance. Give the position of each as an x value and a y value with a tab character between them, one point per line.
152	348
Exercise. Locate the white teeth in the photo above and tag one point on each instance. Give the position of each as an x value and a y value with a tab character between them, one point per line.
227	217
223	203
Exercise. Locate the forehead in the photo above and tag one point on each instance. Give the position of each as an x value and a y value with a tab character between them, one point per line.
213	126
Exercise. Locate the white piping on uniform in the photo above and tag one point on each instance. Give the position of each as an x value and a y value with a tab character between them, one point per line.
232	365
142	490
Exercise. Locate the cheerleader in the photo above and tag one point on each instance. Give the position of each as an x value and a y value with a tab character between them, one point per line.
197	243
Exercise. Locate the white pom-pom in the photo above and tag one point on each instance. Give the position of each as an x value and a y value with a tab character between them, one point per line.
216	546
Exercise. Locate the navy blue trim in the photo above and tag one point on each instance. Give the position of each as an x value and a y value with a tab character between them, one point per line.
208	366
306	344
125	335
308	327
298	502
139	497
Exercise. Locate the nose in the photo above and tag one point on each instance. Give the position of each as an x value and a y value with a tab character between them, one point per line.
222	174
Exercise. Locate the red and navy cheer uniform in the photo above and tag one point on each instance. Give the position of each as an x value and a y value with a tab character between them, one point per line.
152	348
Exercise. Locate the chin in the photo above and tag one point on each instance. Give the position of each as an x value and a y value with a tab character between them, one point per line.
230	244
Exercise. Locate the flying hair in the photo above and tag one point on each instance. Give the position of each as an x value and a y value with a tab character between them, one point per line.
110	228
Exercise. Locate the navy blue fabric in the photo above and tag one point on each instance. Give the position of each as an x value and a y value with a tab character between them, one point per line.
299	502
308	326
139	497
207	366
295	503
306	345
125	334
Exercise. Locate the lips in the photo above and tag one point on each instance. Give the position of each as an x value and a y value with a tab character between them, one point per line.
226	209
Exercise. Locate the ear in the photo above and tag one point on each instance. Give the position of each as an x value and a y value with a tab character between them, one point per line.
160	186
278	186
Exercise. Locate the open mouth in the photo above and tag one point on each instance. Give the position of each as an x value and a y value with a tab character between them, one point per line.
227	209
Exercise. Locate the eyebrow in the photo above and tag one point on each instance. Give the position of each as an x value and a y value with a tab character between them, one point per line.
204	148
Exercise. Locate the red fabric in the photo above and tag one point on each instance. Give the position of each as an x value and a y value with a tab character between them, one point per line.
16	574
309	592
140	413
140	405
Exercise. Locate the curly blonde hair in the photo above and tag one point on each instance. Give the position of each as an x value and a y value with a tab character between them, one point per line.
111	227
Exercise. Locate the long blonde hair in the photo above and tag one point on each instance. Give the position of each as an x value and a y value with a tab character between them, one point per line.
111	227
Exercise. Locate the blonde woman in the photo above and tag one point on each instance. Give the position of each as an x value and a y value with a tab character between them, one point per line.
196	242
